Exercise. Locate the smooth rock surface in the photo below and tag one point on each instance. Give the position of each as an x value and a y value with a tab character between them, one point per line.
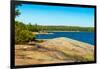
57	50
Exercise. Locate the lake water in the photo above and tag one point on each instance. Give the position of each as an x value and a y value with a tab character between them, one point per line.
87	37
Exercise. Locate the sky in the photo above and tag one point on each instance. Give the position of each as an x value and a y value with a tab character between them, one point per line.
56	15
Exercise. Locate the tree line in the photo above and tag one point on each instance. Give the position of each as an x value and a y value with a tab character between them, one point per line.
38	28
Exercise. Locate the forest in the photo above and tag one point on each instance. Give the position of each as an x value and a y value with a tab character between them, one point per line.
38	28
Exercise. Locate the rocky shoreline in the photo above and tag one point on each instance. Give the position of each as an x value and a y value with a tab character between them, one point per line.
57	50
41	33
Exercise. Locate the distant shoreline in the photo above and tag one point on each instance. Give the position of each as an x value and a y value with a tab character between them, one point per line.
41	33
70	31
64	31
51	32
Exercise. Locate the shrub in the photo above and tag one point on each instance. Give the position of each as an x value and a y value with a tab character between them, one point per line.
22	34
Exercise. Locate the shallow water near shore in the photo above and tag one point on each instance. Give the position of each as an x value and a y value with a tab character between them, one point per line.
87	37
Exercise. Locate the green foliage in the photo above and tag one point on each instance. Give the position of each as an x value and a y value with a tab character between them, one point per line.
22	34
69	28
17	12
35	27
38	28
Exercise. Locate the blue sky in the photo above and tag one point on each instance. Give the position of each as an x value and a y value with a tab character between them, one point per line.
56	15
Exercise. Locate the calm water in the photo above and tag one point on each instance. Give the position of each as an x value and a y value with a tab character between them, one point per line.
87	37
